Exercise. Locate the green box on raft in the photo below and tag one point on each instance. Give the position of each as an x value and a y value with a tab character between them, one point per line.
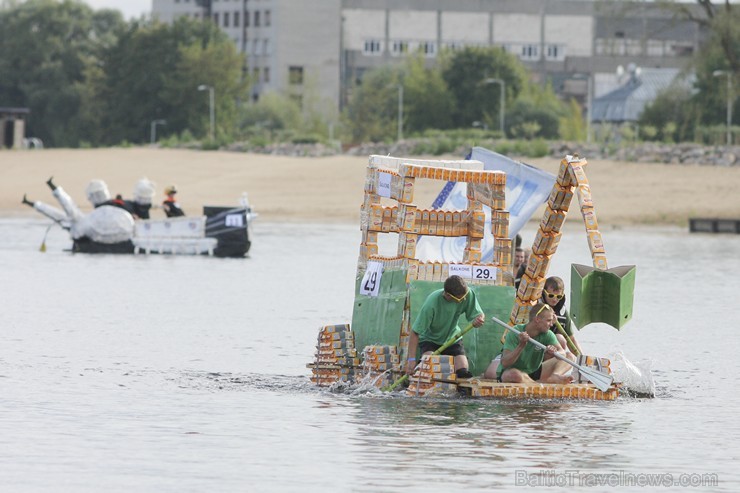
377	320
601	295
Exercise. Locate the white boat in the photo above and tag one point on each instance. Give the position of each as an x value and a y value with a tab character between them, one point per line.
115	226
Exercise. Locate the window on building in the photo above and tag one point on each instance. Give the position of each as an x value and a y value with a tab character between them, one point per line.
295	75
226	19
429	48
236	19
603	47
256	74
298	99
399	47
246	18
529	52
682	49
372	47
257	18
266	47
268	21
655	47
255	46
633	47
266	74
555	52
215	18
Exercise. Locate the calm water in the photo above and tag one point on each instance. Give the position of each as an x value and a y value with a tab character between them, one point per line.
188	374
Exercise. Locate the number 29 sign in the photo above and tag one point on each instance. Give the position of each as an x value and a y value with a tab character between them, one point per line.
370	284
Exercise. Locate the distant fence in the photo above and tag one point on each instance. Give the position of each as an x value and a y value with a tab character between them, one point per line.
708	225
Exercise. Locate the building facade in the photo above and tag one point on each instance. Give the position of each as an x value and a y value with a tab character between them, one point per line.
318	49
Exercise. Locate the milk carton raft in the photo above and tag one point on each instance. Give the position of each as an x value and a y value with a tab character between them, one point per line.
391	287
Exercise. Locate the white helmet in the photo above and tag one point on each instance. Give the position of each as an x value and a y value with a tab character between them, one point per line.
144	191
97	192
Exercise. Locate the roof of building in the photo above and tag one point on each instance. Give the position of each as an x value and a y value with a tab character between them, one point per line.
627	102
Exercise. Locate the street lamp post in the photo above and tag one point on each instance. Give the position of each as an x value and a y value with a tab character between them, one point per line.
211	112
717	73
502	108
153	129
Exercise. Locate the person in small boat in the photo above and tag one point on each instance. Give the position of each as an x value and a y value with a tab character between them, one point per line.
117	201
522	362
141	204
170	205
437	323
554	296
519	266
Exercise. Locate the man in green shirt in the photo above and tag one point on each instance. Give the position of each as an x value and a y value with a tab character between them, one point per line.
437	323
522	362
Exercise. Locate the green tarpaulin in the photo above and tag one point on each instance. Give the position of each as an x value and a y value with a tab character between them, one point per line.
377	320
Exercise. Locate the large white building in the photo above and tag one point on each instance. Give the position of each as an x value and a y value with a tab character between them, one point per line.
317	49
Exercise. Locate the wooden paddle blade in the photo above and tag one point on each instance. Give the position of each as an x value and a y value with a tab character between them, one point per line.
602	381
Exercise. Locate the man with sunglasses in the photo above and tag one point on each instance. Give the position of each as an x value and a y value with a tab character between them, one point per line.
522	362
437	323
554	296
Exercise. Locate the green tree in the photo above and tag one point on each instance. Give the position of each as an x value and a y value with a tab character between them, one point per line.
271	113
217	64
468	72
372	112
536	105
720	19
427	101
153	72
720	51
672	105
572	125
47	49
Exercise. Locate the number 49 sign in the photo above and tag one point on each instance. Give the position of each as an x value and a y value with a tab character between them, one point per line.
370	284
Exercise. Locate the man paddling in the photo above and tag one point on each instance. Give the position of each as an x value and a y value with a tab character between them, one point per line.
522	362
554	295
437	323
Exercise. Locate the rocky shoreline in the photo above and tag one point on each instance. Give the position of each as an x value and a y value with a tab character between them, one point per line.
648	152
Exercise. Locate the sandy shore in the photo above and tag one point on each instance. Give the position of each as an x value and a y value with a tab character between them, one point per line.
330	189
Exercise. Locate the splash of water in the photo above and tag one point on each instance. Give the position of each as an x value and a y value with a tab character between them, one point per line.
637	378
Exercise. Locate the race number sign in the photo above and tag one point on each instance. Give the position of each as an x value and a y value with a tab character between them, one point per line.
384	184
370	285
484	272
